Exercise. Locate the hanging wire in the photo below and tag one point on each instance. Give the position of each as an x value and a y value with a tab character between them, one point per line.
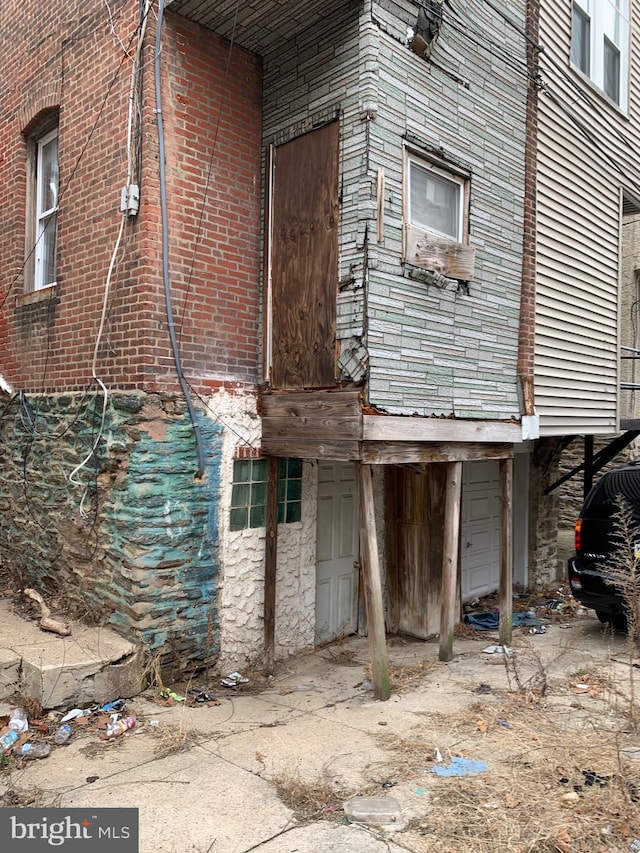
105	299
165	248
65	185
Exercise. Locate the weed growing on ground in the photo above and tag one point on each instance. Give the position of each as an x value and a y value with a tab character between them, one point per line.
404	677
315	799
174	738
623	571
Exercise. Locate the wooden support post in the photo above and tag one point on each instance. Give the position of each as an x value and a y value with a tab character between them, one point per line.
372	582
588	466
450	551
270	562
506	551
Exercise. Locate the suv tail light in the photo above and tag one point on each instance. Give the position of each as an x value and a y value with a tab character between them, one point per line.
578	535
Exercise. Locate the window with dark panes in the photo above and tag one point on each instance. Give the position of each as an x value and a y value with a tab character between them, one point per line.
580	39
600	45
249	493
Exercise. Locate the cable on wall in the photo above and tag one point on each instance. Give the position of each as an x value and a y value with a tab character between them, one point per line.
165	245
495	49
577	86
185	302
105	299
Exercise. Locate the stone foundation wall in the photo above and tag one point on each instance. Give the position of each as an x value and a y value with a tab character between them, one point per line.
130	538
570	494
543	513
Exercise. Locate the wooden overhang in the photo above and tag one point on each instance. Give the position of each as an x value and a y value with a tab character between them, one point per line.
331	424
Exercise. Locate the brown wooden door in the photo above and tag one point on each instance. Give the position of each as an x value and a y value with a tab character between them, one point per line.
304	260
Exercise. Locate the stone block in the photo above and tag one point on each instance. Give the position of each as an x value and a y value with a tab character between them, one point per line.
93	664
93	680
9	673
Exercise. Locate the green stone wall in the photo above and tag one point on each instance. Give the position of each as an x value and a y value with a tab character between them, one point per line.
132	539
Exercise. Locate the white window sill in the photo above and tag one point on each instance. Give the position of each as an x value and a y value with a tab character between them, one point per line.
600	93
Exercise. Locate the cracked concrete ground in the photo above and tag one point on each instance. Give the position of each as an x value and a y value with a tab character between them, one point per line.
315	720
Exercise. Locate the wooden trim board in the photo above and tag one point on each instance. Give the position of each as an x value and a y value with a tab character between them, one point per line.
411	452
397	428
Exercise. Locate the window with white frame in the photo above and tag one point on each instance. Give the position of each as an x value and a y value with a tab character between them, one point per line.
46	209
436	199
600	45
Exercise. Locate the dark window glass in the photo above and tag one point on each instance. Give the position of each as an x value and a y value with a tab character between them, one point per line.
581	40
611	70
249	492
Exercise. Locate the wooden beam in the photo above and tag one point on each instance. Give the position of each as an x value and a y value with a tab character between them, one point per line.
372	582
392	502
397	428
448	598
310	426
300	448
345	399
267	301
312	414
270	564
407	452
506	551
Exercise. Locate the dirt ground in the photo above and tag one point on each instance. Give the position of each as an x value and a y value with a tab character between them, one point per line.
555	727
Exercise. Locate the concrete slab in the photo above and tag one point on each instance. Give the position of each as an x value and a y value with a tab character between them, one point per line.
328	838
231	716
308	748
92	665
192	801
68	767
217	796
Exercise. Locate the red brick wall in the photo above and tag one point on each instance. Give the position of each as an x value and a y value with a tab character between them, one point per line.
65	52
215	249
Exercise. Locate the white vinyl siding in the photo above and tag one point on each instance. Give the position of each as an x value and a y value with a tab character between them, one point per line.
578	244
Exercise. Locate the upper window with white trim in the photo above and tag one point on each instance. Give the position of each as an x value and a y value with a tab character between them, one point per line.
436	217
46	209
600	45
435	200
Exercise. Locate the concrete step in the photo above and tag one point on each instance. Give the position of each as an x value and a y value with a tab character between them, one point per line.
91	665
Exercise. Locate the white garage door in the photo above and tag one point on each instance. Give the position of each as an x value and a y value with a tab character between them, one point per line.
480	529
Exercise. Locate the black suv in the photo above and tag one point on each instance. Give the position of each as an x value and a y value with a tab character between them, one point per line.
595	542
